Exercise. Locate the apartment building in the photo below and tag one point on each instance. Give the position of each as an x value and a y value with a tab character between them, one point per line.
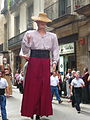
71	23
2	36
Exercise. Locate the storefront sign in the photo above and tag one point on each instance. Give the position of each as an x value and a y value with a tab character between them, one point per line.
67	48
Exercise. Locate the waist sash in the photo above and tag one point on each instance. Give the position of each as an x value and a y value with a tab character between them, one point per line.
40	53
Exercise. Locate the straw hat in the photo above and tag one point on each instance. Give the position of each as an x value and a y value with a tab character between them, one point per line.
42	17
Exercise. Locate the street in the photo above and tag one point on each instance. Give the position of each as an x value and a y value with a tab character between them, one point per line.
63	111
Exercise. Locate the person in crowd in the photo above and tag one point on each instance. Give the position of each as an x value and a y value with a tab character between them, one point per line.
17	78
3	87
89	78
21	79
7	74
89	87
85	93
54	83
24	70
72	96
68	76
60	82
77	83
37	94
25	56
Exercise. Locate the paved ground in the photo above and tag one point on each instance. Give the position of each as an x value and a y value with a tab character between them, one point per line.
62	111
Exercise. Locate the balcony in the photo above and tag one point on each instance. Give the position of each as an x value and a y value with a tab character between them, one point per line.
55	10
4	10
78	4
82	7
15	41
52	11
15	4
60	13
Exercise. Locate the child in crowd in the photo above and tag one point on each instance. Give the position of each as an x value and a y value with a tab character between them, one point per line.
3	87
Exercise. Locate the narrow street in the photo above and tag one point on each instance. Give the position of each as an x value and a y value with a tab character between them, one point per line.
64	111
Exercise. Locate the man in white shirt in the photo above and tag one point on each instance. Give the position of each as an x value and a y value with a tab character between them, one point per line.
77	83
3	86
54	83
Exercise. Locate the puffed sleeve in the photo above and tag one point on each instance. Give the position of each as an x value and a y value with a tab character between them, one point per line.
55	49
22	54
25	46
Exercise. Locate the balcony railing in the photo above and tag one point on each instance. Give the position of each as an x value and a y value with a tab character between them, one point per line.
15	41
54	11
80	3
15	3
4	10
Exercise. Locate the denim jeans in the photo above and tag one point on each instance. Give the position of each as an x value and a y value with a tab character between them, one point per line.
54	89
3	107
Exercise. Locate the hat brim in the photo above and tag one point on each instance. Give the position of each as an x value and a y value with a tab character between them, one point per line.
41	19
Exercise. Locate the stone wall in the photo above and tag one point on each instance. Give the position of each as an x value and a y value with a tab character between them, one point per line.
82	53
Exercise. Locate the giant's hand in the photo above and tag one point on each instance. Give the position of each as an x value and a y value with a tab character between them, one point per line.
26	58
29	37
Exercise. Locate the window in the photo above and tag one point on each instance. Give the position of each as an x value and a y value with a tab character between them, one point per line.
64	7
30	13
17	31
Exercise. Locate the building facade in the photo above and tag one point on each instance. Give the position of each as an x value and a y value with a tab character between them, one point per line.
3	36
71	23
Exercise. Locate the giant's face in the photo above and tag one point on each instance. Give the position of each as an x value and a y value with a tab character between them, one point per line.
41	24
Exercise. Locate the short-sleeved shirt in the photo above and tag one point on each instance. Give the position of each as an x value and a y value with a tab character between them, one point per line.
3	83
77	83
54	80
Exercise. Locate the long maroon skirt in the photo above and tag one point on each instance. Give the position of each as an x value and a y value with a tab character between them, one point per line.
37	94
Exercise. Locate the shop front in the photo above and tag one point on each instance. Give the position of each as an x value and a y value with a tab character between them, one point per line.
67	57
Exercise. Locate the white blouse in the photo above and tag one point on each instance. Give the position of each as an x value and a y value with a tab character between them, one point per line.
46	42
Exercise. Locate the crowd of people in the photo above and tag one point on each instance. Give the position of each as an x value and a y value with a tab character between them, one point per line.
85	90
74	86
19	80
